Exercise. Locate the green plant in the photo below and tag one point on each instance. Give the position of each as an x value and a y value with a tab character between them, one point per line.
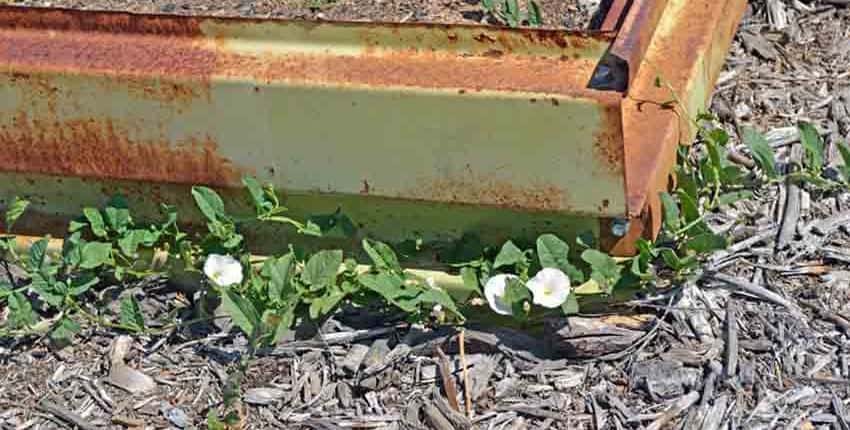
510	13
266	299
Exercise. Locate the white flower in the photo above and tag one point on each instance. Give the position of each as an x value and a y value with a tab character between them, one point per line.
550	288
494	291
223	270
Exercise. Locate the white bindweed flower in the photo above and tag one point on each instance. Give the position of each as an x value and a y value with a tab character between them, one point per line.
550	288
223	270
494	291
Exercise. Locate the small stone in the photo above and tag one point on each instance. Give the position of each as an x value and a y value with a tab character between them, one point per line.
666	378
263	396
175	416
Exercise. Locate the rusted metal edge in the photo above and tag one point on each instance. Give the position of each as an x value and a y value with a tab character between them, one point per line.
614	15
635	29
408	34
461	57
686	55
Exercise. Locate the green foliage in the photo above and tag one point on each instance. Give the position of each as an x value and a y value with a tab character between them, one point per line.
511	256
604	269
510	13
131	314
555	253
106	243
518	298
15	210
813	146
761	151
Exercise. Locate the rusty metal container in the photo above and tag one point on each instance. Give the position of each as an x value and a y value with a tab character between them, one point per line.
424	132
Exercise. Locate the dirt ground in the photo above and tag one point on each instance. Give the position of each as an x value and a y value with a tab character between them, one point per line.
761	342
573	14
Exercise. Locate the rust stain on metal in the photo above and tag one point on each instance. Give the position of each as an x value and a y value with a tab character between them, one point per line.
17	18
151	46
129	54
608	142
98	149
432	70
635	33
492	192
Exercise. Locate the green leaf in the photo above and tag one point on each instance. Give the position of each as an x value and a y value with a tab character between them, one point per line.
471	285
512	12
282	322
390	286
241	311
535	17
731	175
98	227
689	207
72	250
509	255
516	295
130	241
718	136
21	314
554	252
714	154
65	330
95	254
118	219
844	150
813	145
761	150
325	304
604	269
213	422
82	283
383	257
707	242
38	254
488	5
433	297
671	212
322	268
131	313
570	307
209	203
675	262
261	204
14	211
45	287
732	197
278	270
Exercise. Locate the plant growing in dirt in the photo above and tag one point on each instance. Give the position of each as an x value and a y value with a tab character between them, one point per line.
509	12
